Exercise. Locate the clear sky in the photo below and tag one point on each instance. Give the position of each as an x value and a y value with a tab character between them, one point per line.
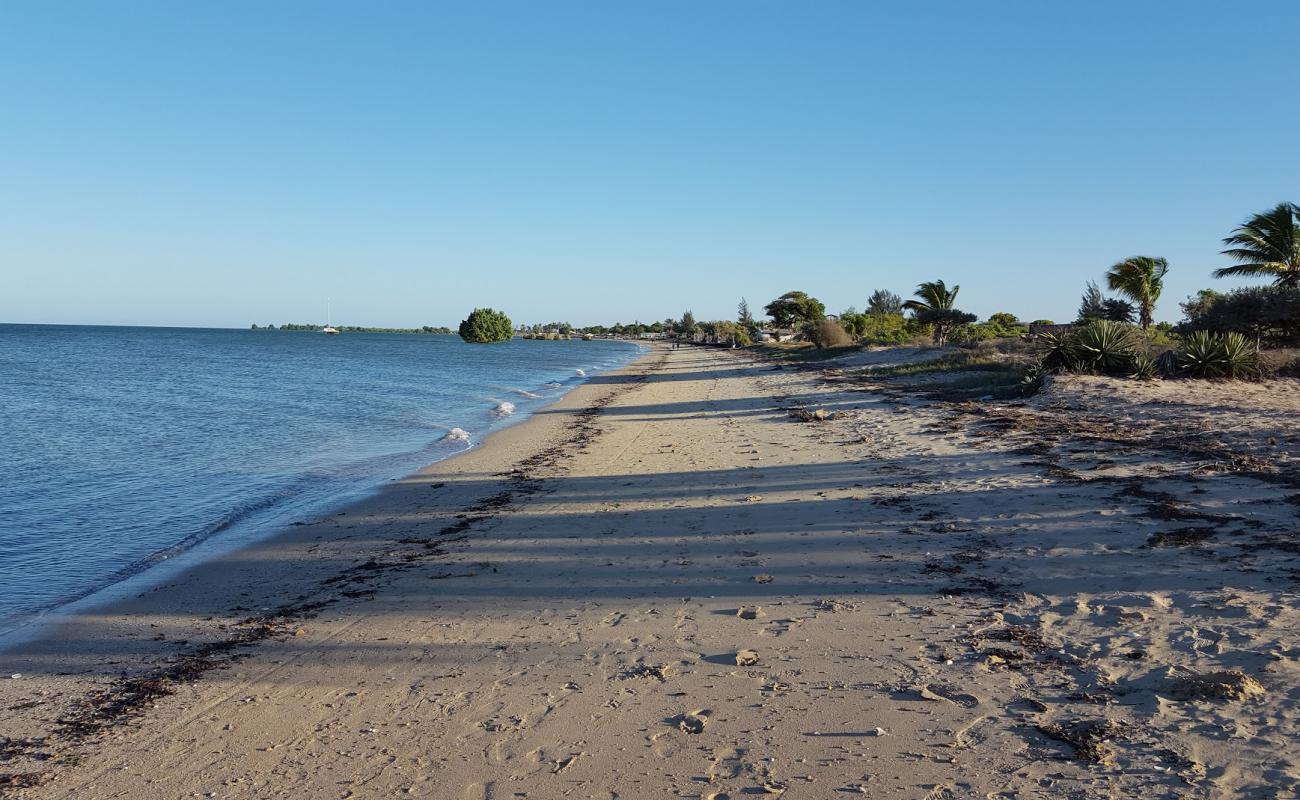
225	163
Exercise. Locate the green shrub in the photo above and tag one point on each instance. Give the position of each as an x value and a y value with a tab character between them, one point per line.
485	325
1267	313
882	328
1110	348
1104	346
1206	354
1144	367
1202	355
998	326
1056	352
1240	357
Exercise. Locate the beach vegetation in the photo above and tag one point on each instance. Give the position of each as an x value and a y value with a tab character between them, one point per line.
795	310
1102	346
1206	354
1140	279
1268	314
1094	306
993	369
1144	367
828	333
744	318
882	328
486	325
884	303
998	326
686	326
935	307
1267	245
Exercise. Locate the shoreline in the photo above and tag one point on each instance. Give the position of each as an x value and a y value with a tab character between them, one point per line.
249	530
680	582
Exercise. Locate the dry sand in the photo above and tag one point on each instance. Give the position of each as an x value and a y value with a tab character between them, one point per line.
668	586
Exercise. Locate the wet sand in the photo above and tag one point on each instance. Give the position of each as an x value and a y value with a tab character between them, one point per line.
670	585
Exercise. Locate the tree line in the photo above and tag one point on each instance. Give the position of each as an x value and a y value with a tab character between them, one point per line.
1266	245
316	326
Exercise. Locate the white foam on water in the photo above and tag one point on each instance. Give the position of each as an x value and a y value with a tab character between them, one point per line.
580	373
504	409
457	435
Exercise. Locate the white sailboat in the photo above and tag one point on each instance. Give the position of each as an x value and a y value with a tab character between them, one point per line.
329	322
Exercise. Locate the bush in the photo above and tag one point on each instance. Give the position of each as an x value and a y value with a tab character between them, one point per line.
882	329
485	325
1266	313
942	321
1055	352
1145	368
998	326
1101	346
1206	354
1104	346
828	333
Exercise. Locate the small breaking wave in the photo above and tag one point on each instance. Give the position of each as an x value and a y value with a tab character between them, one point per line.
456	435
580	373
504	409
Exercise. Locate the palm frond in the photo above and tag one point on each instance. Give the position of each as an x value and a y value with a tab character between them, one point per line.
1267	244
1247	269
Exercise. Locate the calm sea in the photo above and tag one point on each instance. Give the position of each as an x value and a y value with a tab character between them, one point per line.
126	447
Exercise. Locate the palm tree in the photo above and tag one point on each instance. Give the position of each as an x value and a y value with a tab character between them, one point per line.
936	308
1267	244
935	296
1140	278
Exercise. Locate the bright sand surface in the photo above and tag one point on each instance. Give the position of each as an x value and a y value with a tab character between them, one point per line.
667	586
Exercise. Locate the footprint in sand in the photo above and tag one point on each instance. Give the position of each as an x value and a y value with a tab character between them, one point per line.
477	791
948	694
695	721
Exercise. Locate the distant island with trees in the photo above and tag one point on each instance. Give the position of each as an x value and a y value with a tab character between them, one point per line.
315	327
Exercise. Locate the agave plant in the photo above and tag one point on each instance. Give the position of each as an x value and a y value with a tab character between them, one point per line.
1240	357
1104	346
1056	352
1144	367
1207	354
1202	355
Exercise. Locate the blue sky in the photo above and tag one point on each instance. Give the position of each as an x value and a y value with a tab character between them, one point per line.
236	162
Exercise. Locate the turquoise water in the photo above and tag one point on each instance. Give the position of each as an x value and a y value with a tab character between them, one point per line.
127	446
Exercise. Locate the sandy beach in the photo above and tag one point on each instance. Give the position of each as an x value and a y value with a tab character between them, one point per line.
681	580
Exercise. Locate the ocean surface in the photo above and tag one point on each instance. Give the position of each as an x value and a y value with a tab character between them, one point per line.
128	447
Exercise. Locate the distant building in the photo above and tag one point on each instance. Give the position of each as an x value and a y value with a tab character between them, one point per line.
778	335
